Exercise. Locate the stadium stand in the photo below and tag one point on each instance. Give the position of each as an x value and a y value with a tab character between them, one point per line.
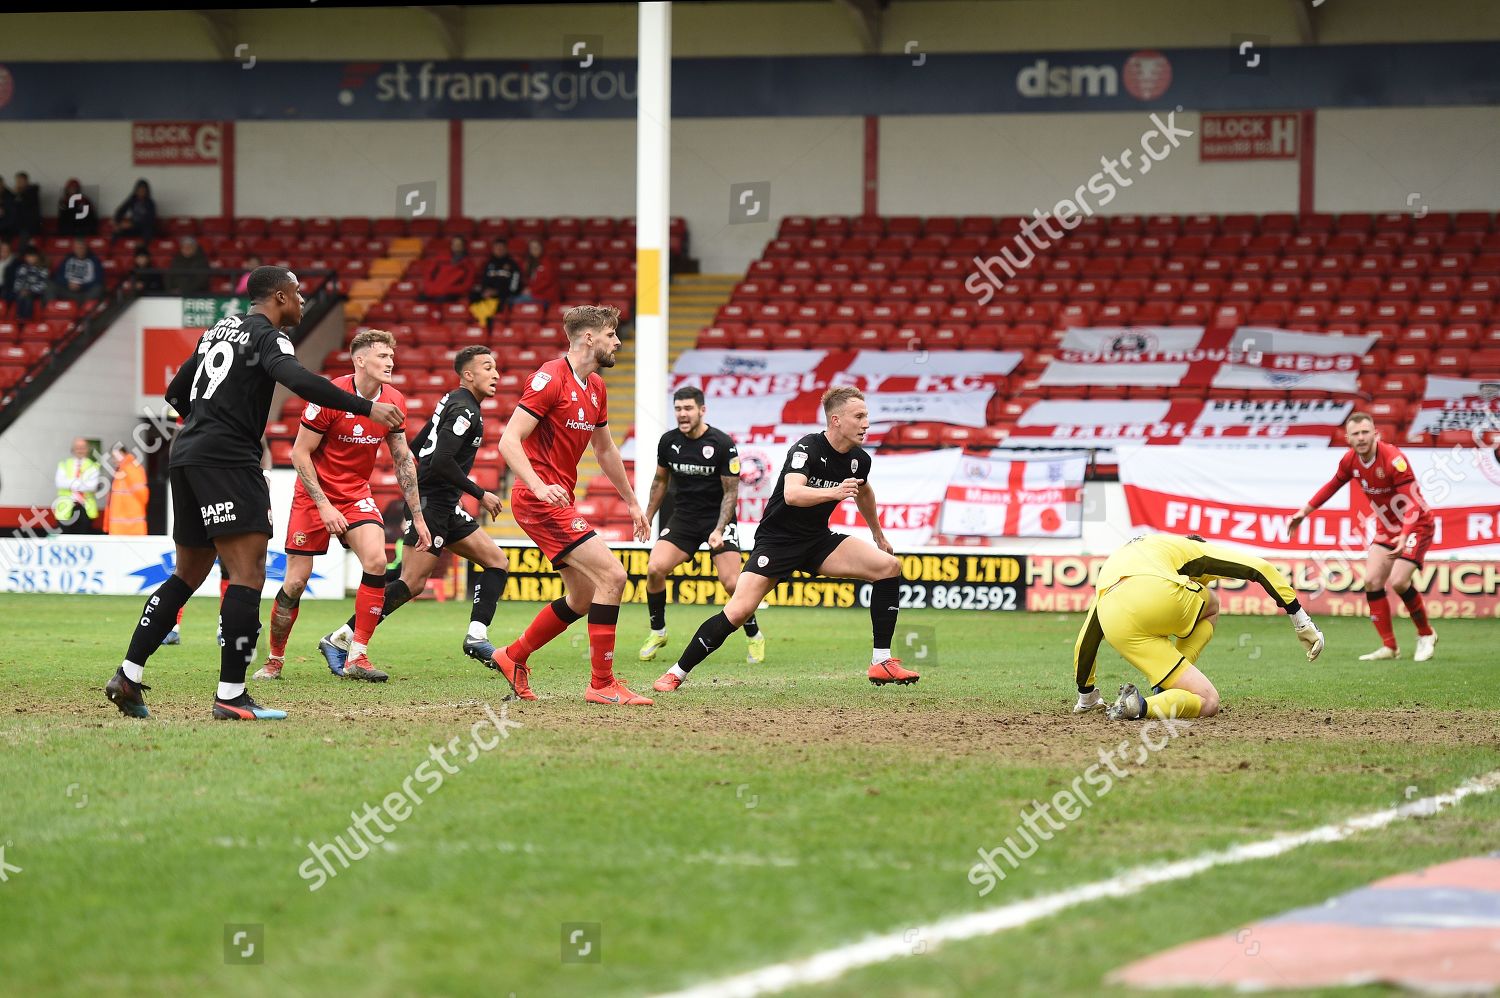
1425	286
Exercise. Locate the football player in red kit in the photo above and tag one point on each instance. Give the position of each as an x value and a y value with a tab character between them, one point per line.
335	456
562	411
1403	531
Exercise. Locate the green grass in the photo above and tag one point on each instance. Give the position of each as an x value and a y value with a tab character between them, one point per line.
759	815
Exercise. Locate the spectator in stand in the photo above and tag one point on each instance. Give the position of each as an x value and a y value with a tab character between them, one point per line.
79	484
28	206
125	516
76	214
188	272
242	286
501	279
9	262
540	276
136	216
31	283
10	226
452	278
80	276
144	279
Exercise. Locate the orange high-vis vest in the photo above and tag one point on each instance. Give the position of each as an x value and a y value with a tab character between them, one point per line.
126	513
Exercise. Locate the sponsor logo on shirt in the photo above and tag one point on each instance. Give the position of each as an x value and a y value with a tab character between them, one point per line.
692	469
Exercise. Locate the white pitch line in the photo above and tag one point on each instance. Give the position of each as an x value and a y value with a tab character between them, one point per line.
834	963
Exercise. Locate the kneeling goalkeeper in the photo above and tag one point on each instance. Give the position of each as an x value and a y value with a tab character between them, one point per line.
1153	606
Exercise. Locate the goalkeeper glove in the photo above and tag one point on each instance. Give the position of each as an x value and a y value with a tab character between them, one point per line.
1312	640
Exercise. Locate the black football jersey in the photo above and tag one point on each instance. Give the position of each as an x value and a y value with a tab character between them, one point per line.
696	466
824	467
453	434
229	396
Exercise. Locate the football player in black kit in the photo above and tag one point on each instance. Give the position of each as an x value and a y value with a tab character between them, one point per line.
704	466
445	452
821	471
221	503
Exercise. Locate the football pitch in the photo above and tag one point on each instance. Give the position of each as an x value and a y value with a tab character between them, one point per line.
762	814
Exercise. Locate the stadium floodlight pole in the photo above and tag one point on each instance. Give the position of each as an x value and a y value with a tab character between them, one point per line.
653	160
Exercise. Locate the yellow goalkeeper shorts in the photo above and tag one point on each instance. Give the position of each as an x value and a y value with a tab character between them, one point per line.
1141	614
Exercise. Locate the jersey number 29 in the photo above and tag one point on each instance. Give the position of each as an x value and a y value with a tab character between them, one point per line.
214	367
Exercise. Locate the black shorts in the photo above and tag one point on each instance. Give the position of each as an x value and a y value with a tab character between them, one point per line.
217	502
776	558
446	520
690	535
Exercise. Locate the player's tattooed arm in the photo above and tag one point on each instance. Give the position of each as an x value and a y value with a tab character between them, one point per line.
658	491
731	500
406	469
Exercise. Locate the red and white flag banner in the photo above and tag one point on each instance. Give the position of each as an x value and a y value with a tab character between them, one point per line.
1246	358
1017	497
745	388
1458	404
1161	421
1216	494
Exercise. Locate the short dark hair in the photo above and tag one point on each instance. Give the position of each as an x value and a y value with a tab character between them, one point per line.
1360	417
266	281
467	355
687	393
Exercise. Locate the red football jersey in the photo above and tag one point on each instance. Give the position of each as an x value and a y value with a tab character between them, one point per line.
1389	474
345	459
567	410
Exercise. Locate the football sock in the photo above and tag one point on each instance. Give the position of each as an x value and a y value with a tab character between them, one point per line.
1418	610
369	608
283	616
155	621
678	671
551	621
1380	616
712	633
751	627
487	590
602	620
1174	703
228	691
879	655
396	596
239	616
1198	638
885	603
656	606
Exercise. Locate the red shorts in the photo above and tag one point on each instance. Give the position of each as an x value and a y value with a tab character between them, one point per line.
305	533
555	529
1413	548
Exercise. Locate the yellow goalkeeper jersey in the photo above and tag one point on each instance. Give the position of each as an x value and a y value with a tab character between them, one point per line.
1168	556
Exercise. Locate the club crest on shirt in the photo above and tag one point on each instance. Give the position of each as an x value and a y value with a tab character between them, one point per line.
708	451
1379	472
854	466
539	380
593	400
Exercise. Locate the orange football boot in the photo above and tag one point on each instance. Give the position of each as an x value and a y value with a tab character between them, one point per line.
890	671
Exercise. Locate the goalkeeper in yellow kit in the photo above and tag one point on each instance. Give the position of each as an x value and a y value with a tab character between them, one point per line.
1154	607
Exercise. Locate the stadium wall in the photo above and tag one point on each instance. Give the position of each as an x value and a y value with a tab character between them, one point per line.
1366	160
730	29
